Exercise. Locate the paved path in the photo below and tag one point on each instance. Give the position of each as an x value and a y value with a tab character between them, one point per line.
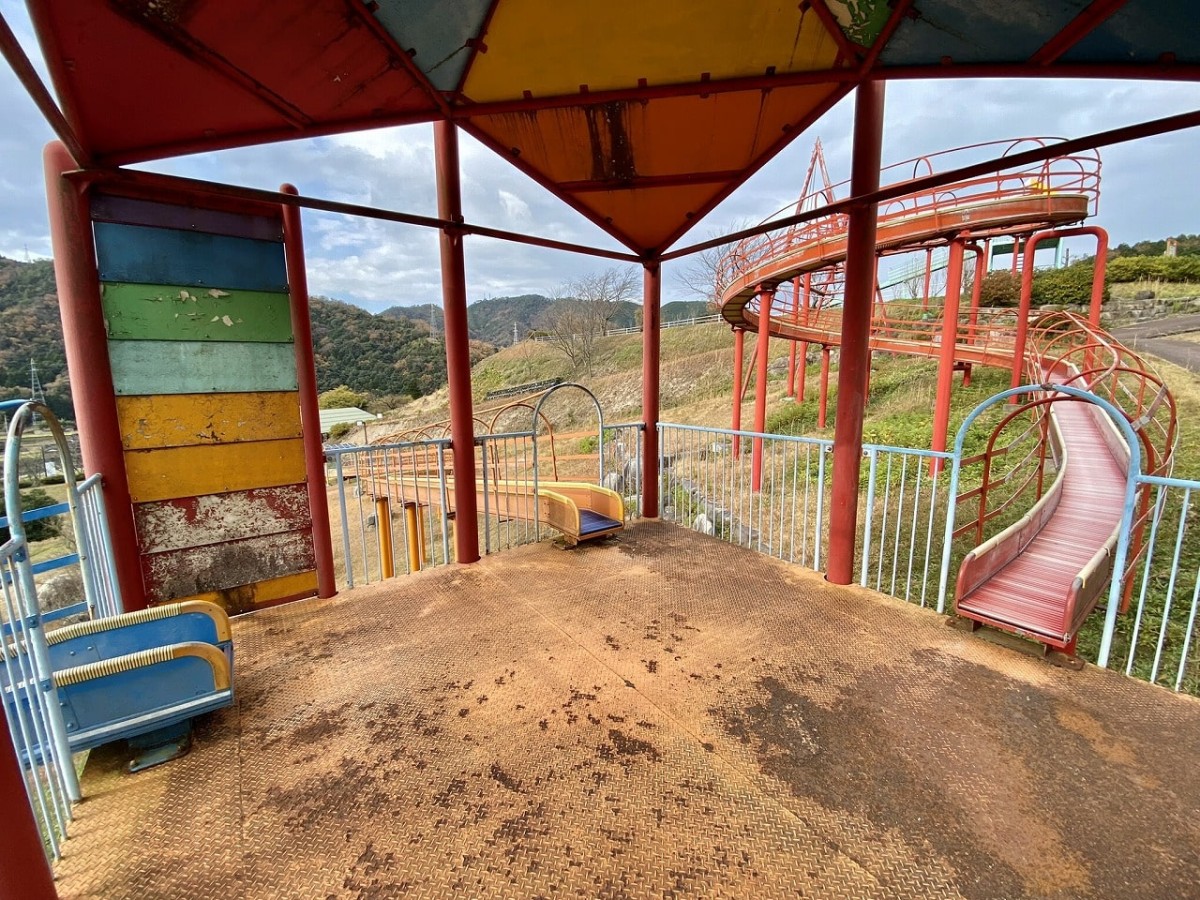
1155	337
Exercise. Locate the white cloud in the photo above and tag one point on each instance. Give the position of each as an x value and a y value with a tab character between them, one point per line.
1149	187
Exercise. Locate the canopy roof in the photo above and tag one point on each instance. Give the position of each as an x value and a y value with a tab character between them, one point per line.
641	115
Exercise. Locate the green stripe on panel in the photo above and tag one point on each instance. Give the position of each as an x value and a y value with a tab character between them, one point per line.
152	312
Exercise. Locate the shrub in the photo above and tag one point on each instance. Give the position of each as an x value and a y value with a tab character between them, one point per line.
1000	289
1066	287
340	430
1154	268
32	499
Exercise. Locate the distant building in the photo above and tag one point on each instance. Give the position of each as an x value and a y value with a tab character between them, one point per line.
347	415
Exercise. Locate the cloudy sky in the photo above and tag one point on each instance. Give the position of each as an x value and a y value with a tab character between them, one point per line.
1150	188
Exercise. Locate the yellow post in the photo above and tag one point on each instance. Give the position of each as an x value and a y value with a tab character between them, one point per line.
413	534
383	528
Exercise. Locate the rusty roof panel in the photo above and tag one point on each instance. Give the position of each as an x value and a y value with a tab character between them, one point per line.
1144	31
441	34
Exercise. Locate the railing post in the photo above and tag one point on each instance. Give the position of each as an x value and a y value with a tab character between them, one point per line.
739	358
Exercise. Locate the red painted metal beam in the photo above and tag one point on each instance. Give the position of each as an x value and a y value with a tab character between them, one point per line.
15	55
823	403
24	870
901	9
1026	301
306	383
651	345
154	180
928	182
85	337
847	50
458	350
739	362
790	389
766	296
805	302
856	334
1076	30
400	54
476	45
945	380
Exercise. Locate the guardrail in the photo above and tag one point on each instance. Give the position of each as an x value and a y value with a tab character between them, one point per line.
637	329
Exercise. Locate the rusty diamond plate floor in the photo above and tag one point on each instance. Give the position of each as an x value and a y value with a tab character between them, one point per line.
660	716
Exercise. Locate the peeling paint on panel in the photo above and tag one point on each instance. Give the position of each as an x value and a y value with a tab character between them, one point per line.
217	518
196	367
156	312
246	597
218	567
183	420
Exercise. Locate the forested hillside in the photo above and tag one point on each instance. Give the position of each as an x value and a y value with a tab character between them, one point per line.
386	357
492	318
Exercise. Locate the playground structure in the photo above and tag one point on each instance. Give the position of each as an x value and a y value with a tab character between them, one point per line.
1042	575
582	98
512	487
140	676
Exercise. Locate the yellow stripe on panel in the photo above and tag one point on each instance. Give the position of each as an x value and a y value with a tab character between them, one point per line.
262	593
182	420
173	472
552	48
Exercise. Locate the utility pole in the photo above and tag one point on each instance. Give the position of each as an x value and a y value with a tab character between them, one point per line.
35	384
514	334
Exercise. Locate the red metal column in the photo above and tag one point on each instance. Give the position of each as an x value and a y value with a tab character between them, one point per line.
458	351
739	357
856	333
306	381
823	401
651	343
928	277
24	871
805	306
86	339
791	373
766	296
945	382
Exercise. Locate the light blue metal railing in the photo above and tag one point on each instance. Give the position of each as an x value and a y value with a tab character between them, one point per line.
621	463
707	485
409	473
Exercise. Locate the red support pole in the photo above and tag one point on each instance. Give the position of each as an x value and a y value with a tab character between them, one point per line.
945	382
766	296
651	341
928	277
306	381
739	357
823	402
1097	296
805	304
856	333
85	337
458	350
791	373
24	871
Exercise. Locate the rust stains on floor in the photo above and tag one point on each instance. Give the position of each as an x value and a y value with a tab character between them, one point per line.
662	716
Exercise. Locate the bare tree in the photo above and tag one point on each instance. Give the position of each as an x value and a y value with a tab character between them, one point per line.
707	273
583	310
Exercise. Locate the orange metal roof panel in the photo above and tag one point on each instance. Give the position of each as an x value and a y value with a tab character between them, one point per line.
553	49
642	168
